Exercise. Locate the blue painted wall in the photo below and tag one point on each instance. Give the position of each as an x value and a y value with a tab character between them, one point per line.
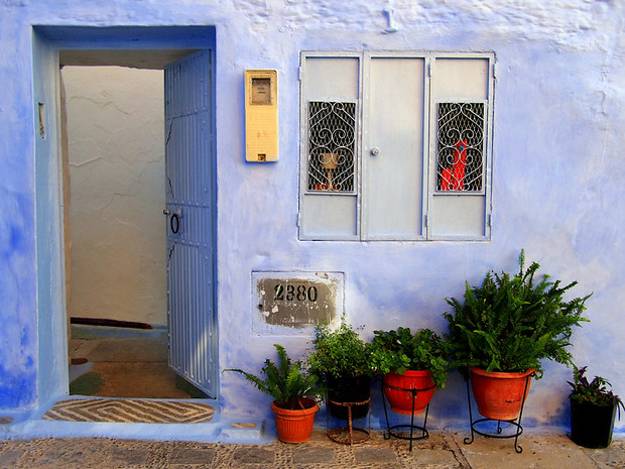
558	174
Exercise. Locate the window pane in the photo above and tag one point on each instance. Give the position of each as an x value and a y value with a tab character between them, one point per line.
331	146
261	91
460	146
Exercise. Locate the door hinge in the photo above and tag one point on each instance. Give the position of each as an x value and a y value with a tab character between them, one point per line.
489	220
300	73
430	69
494	70
426	220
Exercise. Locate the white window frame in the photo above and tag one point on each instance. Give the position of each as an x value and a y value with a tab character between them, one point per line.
429	153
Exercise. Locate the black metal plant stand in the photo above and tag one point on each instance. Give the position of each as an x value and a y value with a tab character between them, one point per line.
349	435
421	430
515	423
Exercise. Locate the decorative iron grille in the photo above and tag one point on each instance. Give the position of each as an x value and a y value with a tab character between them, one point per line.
460	160
331	144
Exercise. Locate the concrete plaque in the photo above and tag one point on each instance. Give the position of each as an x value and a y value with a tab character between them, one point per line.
297	299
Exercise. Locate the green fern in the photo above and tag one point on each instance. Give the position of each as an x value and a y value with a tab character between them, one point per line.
287	381
512	322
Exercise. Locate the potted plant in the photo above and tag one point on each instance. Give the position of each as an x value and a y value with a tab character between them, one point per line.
593	408
293	391
341	361
504	328
409	361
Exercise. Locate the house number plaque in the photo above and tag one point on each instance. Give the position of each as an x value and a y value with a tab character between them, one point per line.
297	300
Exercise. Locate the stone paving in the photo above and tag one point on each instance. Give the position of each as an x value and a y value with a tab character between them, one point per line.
442	450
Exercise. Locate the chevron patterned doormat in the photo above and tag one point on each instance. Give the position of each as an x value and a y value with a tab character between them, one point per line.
129	411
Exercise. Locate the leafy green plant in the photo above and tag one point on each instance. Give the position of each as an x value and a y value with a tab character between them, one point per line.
400	350
287	381
339	353
511	322
596	392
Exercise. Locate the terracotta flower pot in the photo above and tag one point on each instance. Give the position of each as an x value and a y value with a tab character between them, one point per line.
401	401
499	395
295	426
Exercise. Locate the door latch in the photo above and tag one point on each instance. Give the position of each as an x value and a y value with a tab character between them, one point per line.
174	219
174	223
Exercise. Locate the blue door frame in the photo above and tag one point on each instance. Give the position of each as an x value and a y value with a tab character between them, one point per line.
48	42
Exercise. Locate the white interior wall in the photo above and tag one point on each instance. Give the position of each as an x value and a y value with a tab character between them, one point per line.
116	169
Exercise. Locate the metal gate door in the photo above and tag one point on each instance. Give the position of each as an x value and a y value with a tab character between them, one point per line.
189	155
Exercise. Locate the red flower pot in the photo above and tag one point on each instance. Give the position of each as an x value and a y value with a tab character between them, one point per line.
295	426
499	395
401	401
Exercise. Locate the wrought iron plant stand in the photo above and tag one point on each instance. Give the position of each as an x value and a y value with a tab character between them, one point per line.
349	435
499	432
393	430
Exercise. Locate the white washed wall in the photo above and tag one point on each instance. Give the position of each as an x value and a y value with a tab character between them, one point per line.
116	162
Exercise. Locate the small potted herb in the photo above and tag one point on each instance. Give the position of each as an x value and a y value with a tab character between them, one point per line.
593	408
341	361
504	328
409	361
293	391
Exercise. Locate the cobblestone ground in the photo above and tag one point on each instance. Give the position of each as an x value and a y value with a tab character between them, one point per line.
440	451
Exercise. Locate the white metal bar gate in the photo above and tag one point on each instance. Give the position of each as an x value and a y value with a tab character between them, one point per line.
190	213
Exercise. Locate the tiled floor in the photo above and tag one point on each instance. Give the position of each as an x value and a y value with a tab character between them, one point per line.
129	367
442	450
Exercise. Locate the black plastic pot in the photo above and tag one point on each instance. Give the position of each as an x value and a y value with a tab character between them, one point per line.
349	389
592	425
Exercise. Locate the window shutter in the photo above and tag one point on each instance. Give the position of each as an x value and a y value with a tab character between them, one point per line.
393	147
460	123
420	167
329	176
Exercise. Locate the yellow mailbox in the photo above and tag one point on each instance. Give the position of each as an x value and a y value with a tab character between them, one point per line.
261	115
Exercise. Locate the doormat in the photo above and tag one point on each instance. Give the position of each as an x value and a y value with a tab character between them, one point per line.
129	411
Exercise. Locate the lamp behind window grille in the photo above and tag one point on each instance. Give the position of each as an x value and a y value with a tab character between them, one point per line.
331	146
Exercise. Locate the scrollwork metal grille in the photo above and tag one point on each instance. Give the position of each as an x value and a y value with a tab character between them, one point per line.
331	146
460	158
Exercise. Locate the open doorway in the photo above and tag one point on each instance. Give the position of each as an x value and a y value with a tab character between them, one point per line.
115	244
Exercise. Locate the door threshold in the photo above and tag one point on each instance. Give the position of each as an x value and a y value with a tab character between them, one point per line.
199	400
217	430
220	431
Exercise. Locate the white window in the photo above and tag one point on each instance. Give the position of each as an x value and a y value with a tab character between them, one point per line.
396	146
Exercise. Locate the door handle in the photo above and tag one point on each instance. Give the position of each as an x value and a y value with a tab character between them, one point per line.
175	218
174	223
374	151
